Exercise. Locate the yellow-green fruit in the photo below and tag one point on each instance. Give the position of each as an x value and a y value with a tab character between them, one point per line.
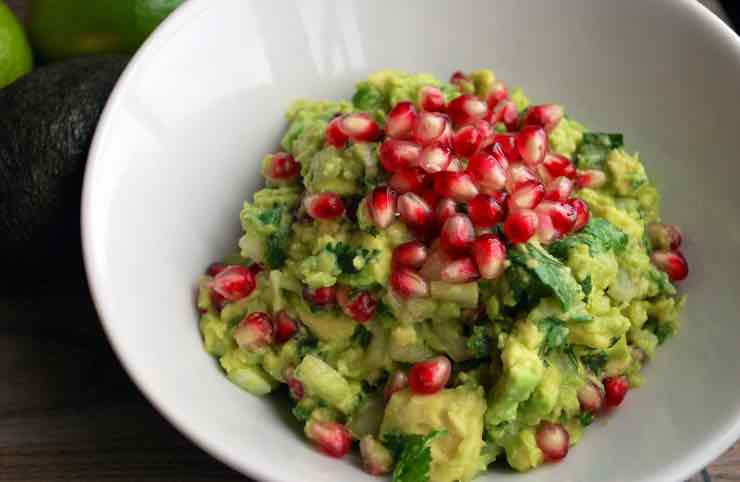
15	53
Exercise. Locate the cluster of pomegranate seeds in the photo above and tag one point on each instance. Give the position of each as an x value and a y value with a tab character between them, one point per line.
332	438
666	241
359	306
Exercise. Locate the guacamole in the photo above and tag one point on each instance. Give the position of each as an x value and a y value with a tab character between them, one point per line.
445	274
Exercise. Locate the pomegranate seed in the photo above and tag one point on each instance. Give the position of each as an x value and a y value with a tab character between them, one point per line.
334	135
505	111
527	195
431	99
521	225
395	155
254	331
457	234
457	77
396	382
445	208
359	127
546	232
294	385
553	440
285	327
411	254
407	284
217	300
283	167
375	457
430	195
562	215
467	140
215	268
591	398
466	109
455	185
507	143
518	175
615	388
430	376
487	171
455	165
484	211
497	93
532	144
559	189
411	179
413	210
325	296
431	128
400	120
546	116
557	165
486	132
501	198
490	256
233	283
382	206
360	307
582	213
672	263
432	268
256	268
331	437
325	205
664	236
590	178
460	270
434	159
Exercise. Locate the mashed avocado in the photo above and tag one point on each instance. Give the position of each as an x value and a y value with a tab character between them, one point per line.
351	298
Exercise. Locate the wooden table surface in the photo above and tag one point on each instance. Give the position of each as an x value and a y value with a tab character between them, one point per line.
69	412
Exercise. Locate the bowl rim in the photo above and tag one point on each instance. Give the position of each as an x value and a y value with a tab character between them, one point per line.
185	13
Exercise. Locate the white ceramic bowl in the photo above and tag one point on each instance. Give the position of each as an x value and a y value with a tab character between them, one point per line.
178	146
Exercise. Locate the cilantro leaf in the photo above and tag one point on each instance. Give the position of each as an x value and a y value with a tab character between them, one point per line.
346	255
586	418
362	336
275	250
550	271
412	454
586	286
556	334
271	216
480	342
595	361
599	235
595	147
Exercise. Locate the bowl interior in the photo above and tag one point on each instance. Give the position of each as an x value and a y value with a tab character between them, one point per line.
179	146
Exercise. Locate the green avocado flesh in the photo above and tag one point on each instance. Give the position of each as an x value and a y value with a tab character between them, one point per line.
561	315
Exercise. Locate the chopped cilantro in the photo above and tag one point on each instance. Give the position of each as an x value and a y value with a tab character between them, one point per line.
568	350
663	332
275	250
271	216
362	336
309	345
595	361
480	342
556	334
595	147
586	286
599	235
301	413
551	272
586	418
412	454
346	255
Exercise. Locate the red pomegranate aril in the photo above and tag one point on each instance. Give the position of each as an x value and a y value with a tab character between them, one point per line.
557	165
233	283
411	254
553	440
517	175
359	127
559	189
532	144
396	382
431	270
434	159
254	331
590	178
490	256
458	186
459	270
431	128
457	234
505	111
413	210
215	268
591	398
406	283
562	215
445	208
324	206
507	143
527	195
285	327
672	263
332	438
217	300
582	213
615	388
485	211
360	307
486	132
466	141
664	236
488	171
497	93
395	155
294	385
381	204
466	109
546	116
430	376
457	77
546	232
455	165
431	99
400	120
325	296
283	167
334	135
521	225
411	179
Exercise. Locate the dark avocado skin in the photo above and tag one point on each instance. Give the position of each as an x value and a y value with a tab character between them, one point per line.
47	121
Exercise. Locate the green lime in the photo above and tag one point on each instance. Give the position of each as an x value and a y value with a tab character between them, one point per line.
62	29
15	53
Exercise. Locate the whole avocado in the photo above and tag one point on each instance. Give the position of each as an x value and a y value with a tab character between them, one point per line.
46	126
